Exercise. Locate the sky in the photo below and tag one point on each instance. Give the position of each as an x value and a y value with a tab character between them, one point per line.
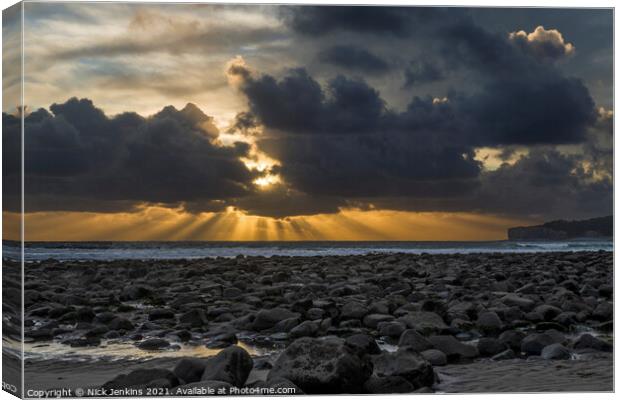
258	122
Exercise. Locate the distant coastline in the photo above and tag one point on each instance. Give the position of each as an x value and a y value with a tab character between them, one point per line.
594	228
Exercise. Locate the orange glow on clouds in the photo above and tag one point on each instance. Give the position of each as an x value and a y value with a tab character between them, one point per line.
159	223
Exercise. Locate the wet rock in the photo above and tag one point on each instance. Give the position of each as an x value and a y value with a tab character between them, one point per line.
306	328
603	312
555	351
452	348
391	329
489	322
405	363
232	365
195	318
523	303
160	313
488	347
512	339
373	320
189	370
154	344
321	366
504	355
135	292
424	322
587	341
362	345
535	342
267	318
142	378
548	312
413	339
435	357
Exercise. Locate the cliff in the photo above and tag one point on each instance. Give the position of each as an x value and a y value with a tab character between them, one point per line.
560	230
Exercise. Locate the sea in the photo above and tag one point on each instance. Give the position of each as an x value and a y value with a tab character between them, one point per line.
102	251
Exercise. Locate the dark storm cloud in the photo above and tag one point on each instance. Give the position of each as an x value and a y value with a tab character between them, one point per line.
342	140
353	58
77	158
421	72
313	20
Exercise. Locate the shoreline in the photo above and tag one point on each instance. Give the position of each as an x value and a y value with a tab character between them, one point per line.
440	313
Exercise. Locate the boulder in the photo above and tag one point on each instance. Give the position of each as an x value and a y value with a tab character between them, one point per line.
425	322
435	357
121	324
512	339
504	355
267	318
353	310
373	320
405	363
232	365
195	318
322	366
534	343
587	341
489	322
189	370
306	328
411	338
488	347
154	344
362	345
143	378
452	348
391	329
555	351
523	303
160	313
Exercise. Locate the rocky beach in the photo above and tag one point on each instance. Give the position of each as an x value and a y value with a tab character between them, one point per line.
376	323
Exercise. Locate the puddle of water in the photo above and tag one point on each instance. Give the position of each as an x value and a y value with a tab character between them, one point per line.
117	350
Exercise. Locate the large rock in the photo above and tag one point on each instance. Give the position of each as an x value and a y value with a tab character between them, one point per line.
194	317
587	341
435	357
555	351
535	342
143	378
267	318
452	348
154	344
362	345
413	339
488	347
322	366
405	363
424	322
373	320
306	328
353	310
135	292
512	339
523	303
190	370
232	365
489	322
160	313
